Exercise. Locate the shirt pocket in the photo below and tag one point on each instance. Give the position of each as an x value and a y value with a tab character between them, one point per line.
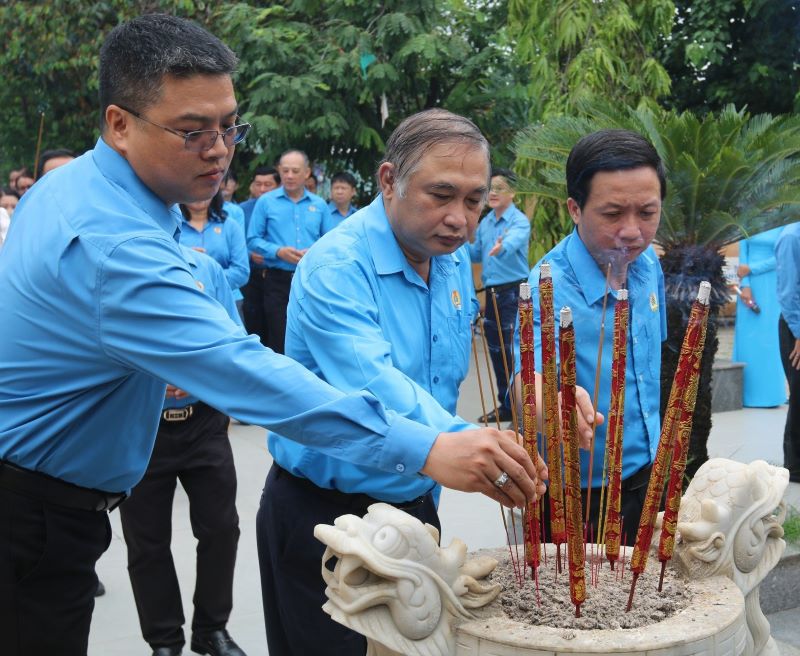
460	345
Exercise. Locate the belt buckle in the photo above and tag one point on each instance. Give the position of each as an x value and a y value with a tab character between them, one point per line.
177	414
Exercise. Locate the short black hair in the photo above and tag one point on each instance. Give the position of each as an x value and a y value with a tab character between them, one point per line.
344	176
6	191
268	170
138	54
51	154
508	174
609	150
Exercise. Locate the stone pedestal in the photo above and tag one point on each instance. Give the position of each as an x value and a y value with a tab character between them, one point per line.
727	381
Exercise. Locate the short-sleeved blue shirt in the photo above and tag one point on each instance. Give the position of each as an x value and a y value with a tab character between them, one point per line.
360	316
278	221
578	283
511	263
100	308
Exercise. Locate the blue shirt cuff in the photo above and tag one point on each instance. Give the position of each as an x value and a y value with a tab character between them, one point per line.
406	446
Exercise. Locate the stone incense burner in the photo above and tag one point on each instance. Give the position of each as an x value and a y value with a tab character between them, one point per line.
408	596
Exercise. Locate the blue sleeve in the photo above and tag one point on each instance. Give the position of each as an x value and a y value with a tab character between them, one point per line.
328	220
475	251
224	295
154	319
238	270
257	230
787	253
744	258
340	325
518	235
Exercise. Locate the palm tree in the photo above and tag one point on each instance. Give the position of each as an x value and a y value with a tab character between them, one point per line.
729	176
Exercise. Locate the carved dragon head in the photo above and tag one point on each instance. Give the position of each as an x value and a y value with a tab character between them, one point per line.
730	521
393	583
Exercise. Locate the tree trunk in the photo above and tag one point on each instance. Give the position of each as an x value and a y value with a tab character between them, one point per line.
685	267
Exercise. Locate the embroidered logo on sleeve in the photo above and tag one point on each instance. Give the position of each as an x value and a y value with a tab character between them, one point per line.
218	230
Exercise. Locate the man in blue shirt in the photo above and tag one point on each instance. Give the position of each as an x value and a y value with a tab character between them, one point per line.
284	224
787	256
501	245
385	303
615	183
192	446
265	179
104	309
343	190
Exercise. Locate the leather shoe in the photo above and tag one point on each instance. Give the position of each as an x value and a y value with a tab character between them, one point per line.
172	650
502	414
216	643
101	589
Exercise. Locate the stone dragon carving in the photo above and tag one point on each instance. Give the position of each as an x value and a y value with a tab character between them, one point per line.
730	524
393	583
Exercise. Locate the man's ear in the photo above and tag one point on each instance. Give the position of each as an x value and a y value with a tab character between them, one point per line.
387	180
117	128
574	210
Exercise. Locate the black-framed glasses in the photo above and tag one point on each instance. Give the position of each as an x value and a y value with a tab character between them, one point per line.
200	140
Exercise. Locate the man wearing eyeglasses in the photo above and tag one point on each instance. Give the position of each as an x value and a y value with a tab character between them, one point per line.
105	308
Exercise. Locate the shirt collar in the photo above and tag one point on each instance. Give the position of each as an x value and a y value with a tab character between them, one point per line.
280	191
591	279
117	169
386	252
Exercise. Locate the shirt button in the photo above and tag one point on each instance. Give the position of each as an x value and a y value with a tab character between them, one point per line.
436	379
401	468
641	378
646	414
436	338
635	340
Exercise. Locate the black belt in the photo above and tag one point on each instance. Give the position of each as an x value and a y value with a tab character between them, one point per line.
638	479
55	491
504	287
355	501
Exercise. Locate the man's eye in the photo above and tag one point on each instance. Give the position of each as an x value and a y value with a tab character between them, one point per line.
473	202
442	197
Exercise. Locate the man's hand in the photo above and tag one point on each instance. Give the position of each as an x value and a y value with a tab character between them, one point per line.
289	254
472	460
585	413
794	356
498	246
256	258
175	393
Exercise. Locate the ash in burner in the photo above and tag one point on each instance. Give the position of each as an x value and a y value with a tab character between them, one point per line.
605	603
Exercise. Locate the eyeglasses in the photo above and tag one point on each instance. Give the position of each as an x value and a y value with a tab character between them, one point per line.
200	140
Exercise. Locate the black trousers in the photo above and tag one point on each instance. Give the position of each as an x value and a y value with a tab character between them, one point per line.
276	298
791	433
507	307
47	577
198	453
290	559
634	492
253	310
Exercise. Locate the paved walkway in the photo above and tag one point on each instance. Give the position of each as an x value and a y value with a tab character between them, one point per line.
743	435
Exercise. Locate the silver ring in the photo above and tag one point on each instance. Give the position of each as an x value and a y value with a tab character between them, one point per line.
501	480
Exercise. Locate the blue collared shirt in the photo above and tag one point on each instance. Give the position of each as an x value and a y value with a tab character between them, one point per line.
787	256
225	242
579	284
278	221
336	216
360	316
236	213
101	308
210	278
511	263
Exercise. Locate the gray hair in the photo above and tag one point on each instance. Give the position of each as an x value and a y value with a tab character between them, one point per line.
306	161
419	132
137	54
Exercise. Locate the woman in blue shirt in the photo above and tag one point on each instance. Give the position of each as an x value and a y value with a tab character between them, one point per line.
206	229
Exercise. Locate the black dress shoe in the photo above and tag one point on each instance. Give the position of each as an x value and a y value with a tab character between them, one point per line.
216	643
172	650
101	589
502	414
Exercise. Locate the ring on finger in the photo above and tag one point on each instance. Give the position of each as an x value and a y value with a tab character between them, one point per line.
501	480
